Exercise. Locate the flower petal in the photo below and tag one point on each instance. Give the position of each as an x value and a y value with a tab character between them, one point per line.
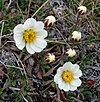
35	47
72	88
67	66
21	45
40	42
18	39
66	86
18	34
56	78
18	29
39	26
75	68
29	49
29	23
60	83
76	82
63	85
77	74
42	33
59	71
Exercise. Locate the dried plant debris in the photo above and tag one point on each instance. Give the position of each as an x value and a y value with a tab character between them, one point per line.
7	57
58	7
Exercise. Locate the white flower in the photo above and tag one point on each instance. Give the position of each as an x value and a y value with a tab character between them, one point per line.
50	57
76	35
67	77
50	20
82	9
30	34
71	52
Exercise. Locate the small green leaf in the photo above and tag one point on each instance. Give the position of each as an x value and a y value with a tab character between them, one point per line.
7	83
14	82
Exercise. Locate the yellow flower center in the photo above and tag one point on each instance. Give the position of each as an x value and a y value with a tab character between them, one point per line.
67	76
29	35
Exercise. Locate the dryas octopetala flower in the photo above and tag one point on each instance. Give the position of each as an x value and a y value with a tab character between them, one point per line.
50	57
82	9
30	34
76	35
67	77
50	20
71	52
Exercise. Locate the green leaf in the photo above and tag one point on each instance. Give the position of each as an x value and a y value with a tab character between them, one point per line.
0	4
7	83
14	82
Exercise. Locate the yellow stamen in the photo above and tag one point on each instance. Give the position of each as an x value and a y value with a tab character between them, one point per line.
67	76
29	35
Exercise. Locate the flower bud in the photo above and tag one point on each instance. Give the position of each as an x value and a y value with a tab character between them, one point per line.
76	35
50	57
82	9
71	52
50	20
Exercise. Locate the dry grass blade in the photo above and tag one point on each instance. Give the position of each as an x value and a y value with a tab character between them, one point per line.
1	32
40	8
